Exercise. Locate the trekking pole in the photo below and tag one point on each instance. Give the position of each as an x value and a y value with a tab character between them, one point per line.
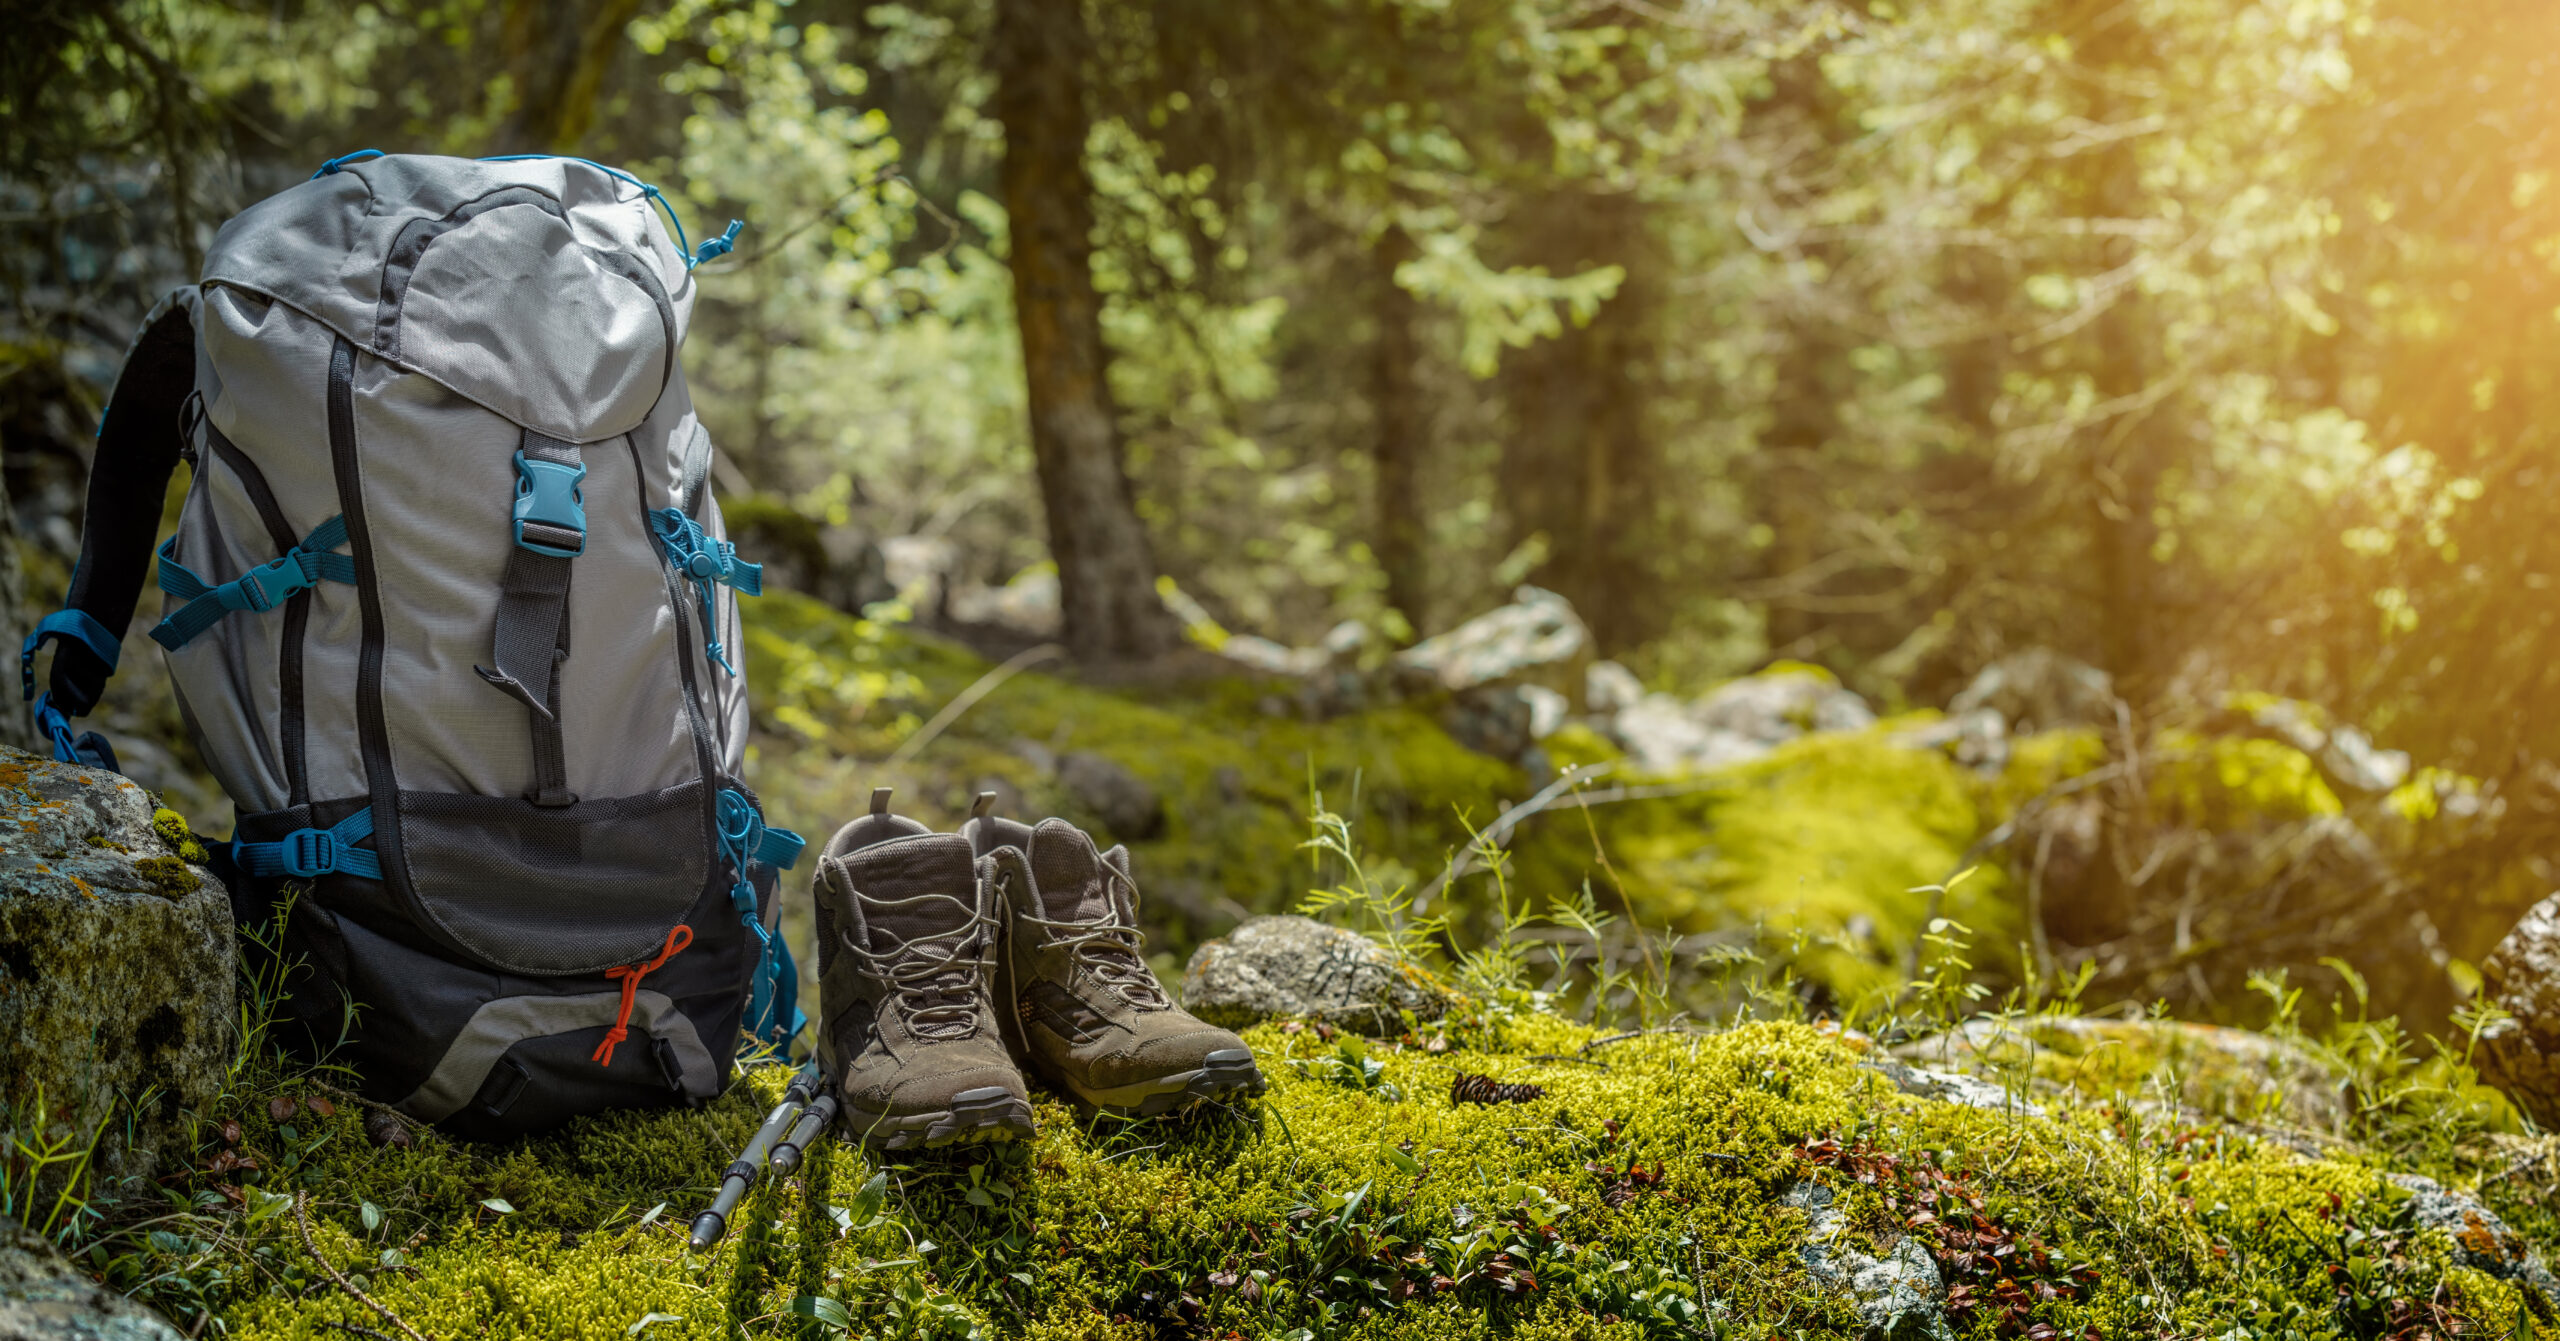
814	1121
711	1224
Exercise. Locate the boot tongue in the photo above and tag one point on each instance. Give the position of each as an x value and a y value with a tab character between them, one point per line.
915	889
1068	873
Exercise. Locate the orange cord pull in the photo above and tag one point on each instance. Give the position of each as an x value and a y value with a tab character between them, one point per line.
631	974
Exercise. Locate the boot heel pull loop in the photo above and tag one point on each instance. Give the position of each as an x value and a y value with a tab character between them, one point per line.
880	800
984	806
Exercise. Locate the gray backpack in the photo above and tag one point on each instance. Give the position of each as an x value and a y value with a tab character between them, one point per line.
452	620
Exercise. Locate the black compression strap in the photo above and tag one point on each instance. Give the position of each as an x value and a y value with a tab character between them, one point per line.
532	639
137	452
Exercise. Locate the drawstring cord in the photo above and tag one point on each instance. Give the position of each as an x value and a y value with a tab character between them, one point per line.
631	974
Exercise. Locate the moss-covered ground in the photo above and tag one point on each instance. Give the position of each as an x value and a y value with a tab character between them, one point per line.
1641	1195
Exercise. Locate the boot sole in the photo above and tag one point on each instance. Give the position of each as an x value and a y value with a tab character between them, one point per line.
990	1114
1228	1073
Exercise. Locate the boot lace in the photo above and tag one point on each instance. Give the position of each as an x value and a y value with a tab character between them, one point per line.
935	978
1104	947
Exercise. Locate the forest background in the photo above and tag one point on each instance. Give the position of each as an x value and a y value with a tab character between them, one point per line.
2209	342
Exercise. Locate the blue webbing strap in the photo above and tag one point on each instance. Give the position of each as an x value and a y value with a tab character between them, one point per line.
260	589
708	563
310	852
75	626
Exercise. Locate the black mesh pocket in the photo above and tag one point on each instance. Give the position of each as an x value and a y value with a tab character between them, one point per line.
567	889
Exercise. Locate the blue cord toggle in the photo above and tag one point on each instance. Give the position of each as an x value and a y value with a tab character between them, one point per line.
310	852
708	563
332	167
719	246
746	838
548	497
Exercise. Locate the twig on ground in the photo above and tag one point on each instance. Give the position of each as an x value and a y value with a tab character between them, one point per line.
302	1221
1577	1054
1500	830
968	698
360	1331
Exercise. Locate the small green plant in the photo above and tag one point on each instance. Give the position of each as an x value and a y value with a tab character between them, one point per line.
1352	1068
1372	903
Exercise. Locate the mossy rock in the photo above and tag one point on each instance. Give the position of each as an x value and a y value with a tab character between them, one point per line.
116	977
2232	1074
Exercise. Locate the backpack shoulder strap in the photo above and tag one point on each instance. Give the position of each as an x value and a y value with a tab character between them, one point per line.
138	446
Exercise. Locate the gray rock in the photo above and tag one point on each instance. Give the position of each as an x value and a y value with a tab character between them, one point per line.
1498	720
2480	1239
1660	734
1899	1296
2521	1054
1278	967
1538	634
2352	759
2235	1074
1609	688
1547	709
44	1298
2346	754
116	964
2040	689
1951	1087
1104	788
1262	654
1978	739
1774	707
1028	606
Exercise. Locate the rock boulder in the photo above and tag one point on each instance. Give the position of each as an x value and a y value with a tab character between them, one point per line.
44	1298
1275	967
1536	637
2521	1054
116	963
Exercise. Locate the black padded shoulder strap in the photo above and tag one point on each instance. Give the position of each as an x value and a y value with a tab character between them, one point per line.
137	452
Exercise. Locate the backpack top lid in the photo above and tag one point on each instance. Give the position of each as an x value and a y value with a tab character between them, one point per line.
544	289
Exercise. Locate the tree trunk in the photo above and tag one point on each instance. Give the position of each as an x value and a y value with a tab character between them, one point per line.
1804	423
561	52
2123	463
1106	576
1812	381
1582	465
1402	423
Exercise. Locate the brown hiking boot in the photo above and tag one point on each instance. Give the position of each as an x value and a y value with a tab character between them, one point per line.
1087	1013
907	937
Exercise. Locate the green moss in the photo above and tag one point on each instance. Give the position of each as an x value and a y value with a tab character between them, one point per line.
172	828
2225	781
169	877
106	844
1108	1231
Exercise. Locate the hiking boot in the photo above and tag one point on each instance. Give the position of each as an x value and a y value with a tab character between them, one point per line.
1086	1011
907	937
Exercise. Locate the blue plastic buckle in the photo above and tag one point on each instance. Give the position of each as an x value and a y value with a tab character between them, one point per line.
548	498
308	852
266	586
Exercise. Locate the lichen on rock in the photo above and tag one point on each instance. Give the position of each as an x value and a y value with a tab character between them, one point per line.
116	968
